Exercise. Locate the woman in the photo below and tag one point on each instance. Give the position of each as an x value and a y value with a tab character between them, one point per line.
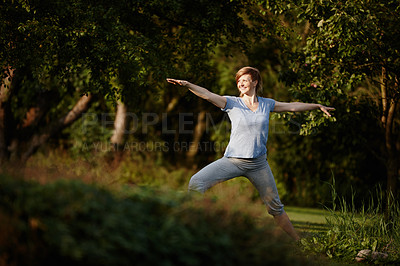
246	152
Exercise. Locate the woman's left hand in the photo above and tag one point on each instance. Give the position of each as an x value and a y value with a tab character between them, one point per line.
326	109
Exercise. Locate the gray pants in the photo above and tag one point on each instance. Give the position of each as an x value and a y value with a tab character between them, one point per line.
257	170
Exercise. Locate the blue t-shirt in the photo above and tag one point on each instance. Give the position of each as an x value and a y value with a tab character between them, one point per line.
249	131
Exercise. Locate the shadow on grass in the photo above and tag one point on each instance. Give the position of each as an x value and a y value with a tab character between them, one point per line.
308	220
309	226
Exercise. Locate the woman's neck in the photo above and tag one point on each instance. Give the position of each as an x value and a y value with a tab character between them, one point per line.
251	99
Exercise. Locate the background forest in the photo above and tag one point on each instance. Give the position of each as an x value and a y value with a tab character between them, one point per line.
89	79
83	90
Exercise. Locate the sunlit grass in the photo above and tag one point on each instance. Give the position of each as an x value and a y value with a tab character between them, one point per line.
374	227
307	220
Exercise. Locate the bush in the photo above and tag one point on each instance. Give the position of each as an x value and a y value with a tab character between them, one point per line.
72	223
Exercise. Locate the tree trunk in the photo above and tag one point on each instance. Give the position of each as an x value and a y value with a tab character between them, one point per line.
117	139
172	104
393	158
389	105
197	135
4	94
40	138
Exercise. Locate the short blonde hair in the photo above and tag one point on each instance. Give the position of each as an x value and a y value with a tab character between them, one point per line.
255	76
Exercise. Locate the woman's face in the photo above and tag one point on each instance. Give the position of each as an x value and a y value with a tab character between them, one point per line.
246	85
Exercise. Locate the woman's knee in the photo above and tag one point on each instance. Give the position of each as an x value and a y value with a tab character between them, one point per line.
195	184
274	205
275	211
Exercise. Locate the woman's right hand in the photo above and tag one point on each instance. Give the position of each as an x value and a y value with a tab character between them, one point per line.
178	82
215	99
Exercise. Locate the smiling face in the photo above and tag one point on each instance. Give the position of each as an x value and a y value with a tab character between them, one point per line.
248	80
246	85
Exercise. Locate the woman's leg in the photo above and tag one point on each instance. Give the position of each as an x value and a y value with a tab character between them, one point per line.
212	174
264	182
284	222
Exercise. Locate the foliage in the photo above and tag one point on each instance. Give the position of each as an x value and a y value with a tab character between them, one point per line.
70	222
126	49
112	49
128	40
345	150
347	42
341	49
91	132
351	230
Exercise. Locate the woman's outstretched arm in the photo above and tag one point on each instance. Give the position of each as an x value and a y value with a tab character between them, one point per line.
213	98
299	107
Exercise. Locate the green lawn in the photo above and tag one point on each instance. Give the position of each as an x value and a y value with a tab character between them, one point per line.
307	219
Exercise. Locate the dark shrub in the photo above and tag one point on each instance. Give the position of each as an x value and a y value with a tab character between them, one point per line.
72	223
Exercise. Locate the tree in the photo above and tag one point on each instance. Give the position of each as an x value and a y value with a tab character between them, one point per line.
52	52
350	43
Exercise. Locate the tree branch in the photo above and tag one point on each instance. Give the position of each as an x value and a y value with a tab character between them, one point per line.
39	139
35	114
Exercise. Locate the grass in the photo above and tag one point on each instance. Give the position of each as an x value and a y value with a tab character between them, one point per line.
375	226
308	220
